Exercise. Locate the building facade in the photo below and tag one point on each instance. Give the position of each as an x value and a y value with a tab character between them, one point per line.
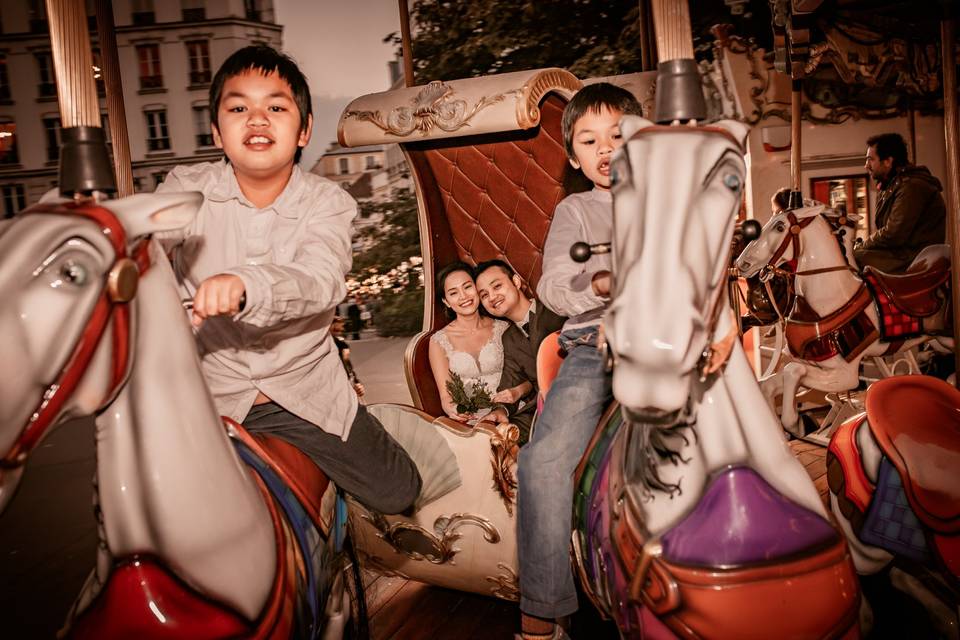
168	52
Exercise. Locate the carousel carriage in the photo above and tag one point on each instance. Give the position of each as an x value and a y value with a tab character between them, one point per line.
488	166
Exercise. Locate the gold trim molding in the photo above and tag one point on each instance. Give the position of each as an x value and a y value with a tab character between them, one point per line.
434	107
436	547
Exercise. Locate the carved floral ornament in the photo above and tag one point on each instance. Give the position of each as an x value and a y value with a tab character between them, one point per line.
434	107
829	99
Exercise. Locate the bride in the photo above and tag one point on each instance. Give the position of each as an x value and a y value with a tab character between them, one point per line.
470	345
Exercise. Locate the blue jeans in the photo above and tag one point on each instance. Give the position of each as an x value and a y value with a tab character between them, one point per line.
570	415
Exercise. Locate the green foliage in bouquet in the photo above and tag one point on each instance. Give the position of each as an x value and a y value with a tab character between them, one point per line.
468	400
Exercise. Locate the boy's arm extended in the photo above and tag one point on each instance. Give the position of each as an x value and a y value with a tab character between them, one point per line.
314	280
566	286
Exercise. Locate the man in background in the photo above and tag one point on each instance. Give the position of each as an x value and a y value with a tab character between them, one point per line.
911	213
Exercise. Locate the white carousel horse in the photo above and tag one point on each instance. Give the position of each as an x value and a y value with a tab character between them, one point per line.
202	534
834	323
694	519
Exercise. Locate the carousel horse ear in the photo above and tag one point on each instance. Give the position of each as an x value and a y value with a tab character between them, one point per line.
629	125
145	213
735	128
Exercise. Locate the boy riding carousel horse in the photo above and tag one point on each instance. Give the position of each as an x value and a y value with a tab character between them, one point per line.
265	262
581	391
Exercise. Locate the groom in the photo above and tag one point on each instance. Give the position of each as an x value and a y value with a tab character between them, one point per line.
500	294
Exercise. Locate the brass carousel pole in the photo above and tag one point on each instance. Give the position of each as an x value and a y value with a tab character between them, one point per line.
405	43
952	133
671	19
84	163
122	164
796	120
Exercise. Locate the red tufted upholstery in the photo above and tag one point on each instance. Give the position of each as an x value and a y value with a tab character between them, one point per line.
485	197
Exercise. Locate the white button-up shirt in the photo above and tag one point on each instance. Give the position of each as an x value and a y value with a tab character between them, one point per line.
292	256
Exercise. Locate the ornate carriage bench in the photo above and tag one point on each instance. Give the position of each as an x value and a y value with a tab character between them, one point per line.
488	165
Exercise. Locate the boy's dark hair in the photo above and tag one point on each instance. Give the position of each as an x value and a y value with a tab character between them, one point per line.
889	145
489	264
438	289
781	199
266	60
594	98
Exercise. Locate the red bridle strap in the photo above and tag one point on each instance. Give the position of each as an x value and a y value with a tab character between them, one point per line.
119	287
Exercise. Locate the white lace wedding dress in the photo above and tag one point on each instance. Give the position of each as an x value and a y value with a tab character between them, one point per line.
485	367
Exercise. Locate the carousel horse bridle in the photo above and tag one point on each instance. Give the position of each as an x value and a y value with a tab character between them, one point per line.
792	239
119	288
716	353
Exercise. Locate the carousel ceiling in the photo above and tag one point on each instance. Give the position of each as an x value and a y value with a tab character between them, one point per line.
873	57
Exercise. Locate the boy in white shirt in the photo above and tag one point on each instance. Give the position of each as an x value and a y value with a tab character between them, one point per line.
265	263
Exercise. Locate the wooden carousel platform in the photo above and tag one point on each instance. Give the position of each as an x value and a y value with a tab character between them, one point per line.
401	609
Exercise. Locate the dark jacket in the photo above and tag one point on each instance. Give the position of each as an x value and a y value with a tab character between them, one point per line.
911	215
520	362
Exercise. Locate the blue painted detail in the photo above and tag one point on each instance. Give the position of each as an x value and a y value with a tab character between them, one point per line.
309	539
890	523
339	522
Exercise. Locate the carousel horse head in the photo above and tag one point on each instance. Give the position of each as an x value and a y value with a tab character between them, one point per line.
670	260
67	273
780	243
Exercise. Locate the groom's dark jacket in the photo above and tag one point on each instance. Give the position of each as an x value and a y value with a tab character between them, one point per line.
520	360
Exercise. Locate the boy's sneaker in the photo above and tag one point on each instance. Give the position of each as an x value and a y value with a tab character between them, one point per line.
558	634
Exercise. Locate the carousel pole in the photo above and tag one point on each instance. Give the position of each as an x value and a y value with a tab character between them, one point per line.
952	133
405	43
122	165
796	120
84	162
679	95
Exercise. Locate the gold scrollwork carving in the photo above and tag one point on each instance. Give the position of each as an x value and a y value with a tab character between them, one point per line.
505	586
437	546
503	459
434	107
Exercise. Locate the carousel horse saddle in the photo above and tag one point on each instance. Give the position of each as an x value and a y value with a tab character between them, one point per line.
916	422
549	358
846	332
916	291
736	549
298	472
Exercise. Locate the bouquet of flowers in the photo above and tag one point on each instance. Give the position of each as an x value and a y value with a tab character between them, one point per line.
469	398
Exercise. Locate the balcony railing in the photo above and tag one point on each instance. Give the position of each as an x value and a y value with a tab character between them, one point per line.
151	82
200	77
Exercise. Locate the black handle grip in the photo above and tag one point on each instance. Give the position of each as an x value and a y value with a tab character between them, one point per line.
581	251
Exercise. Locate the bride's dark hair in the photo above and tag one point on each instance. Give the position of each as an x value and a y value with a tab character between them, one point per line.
441	279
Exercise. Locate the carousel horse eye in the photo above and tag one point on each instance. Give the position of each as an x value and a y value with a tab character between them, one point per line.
73	273
732	181
779	227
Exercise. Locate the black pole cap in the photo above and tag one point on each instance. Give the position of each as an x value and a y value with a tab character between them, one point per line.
84	162
679	92
796	200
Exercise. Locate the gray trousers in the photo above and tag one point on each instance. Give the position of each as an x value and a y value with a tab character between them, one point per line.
370	465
